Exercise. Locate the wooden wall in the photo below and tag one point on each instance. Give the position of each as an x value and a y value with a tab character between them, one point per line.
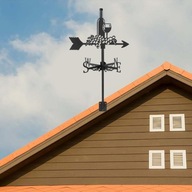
115	150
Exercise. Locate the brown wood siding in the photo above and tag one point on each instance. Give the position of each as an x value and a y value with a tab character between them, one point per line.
115	150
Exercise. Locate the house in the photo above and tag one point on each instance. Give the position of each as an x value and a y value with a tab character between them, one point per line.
143	142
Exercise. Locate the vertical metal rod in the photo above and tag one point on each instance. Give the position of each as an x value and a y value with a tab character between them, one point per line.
102	74
102	104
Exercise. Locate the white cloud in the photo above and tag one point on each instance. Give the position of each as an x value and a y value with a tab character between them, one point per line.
49	89
157	30
44	92
5	62
39	44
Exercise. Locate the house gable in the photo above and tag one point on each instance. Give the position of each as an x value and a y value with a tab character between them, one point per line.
112	148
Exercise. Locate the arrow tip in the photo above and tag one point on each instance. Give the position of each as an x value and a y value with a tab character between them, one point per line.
124	44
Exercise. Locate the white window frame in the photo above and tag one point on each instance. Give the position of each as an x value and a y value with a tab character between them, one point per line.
162	154
151	125
184	159
171	122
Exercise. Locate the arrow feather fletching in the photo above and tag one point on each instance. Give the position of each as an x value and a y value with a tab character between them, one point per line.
77	43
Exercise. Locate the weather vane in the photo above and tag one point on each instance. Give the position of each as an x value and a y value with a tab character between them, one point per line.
100	41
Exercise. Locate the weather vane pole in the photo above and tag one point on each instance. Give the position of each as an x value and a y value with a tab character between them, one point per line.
100	41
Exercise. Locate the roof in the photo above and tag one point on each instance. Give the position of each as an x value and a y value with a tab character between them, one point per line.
165	67
164	70
100	188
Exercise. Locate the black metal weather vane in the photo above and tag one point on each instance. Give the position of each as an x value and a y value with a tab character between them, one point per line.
100	41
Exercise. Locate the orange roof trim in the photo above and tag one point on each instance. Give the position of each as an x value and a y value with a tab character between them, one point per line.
100	188
164	67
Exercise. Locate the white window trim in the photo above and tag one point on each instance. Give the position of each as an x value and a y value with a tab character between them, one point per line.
183	152
151	127
162	166
182	128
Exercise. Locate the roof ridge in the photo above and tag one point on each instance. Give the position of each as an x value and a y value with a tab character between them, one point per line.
164	67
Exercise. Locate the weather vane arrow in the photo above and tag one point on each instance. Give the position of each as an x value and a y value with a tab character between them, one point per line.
77	43
100	41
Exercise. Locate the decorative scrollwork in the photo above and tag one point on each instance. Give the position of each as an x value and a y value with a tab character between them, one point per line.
98	40
106	67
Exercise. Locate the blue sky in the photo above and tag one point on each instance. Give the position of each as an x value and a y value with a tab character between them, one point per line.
24	18
21	18
42	83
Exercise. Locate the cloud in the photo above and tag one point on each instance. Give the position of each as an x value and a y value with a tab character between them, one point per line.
6	65
49	86
43	92
39	44
38	91
156	30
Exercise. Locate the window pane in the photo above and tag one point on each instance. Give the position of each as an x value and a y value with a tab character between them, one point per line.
177	122
157	123
156	159
178	159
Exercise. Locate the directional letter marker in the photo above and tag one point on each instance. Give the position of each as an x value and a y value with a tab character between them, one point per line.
100	41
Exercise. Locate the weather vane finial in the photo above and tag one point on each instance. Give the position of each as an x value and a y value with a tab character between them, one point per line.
100	41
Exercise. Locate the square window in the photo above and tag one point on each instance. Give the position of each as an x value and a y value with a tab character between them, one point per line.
156	123
156	159
178	159
177	122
